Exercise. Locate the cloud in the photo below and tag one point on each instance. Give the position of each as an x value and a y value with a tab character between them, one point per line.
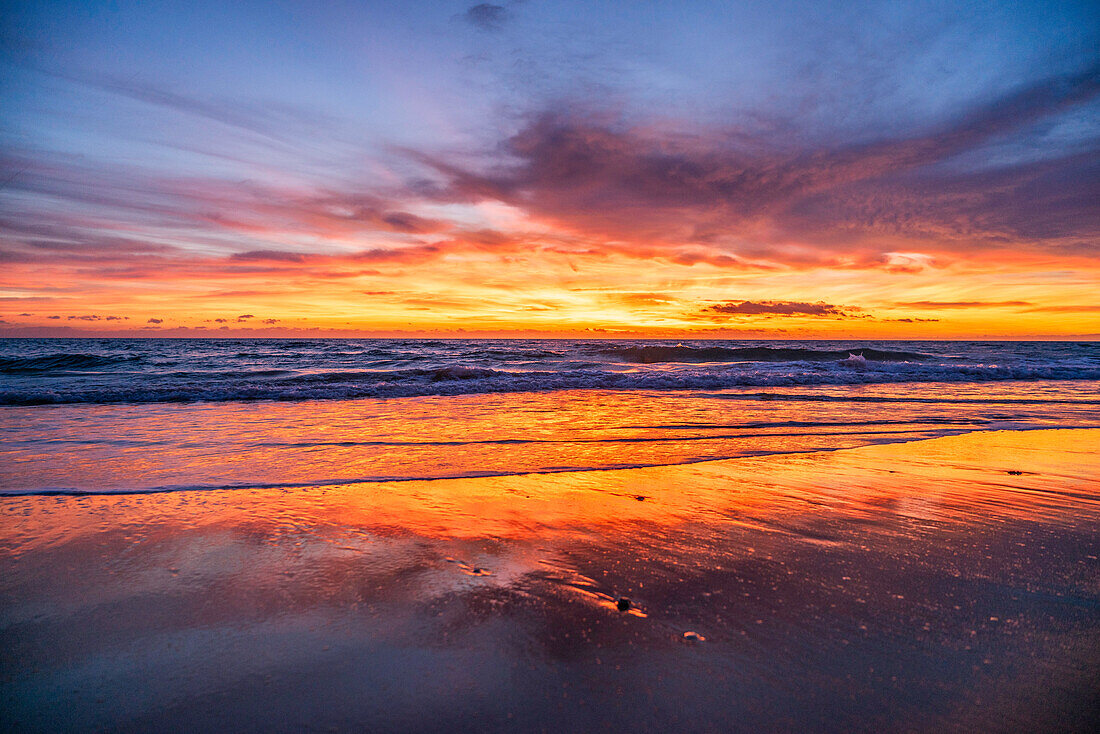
126	200
411	223
594	186
87	317
778	308
572	198
277	121
891	203
906	262
412	253
244	316
643	299
271	256
960	304
1092	308
155	321
486	16
53	317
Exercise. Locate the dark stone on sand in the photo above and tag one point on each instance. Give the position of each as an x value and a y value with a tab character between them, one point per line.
622	604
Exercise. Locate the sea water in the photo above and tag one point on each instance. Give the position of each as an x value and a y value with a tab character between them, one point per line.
154	415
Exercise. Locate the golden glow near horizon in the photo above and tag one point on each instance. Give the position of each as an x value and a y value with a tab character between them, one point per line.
541	291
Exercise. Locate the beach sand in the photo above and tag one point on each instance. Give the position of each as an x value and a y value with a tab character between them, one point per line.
946	584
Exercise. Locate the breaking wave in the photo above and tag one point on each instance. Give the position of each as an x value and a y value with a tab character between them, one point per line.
48	371
458	380
655	354
61	362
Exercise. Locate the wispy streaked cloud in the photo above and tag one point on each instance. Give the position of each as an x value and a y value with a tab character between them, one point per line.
1083	308
839	204
960	304
778	308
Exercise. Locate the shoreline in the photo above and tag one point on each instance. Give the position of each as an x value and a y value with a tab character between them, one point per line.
351	482
901	586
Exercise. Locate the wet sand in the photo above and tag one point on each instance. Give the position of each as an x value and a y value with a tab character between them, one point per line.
948	584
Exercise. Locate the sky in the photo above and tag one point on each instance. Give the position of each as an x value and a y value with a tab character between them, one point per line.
763	169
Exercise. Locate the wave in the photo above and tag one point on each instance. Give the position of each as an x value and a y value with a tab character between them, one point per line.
459	380
902	437
226	374
412	374
442	476
59	362
654	354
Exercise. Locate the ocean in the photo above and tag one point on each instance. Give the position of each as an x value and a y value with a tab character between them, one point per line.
155	415
473	535
51	371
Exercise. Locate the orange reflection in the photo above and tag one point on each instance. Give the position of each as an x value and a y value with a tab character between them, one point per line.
301	444
975	478
866	567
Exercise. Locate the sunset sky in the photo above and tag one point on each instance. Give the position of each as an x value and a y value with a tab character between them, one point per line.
709	169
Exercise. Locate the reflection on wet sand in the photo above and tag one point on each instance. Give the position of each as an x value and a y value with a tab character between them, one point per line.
120	447
951	582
